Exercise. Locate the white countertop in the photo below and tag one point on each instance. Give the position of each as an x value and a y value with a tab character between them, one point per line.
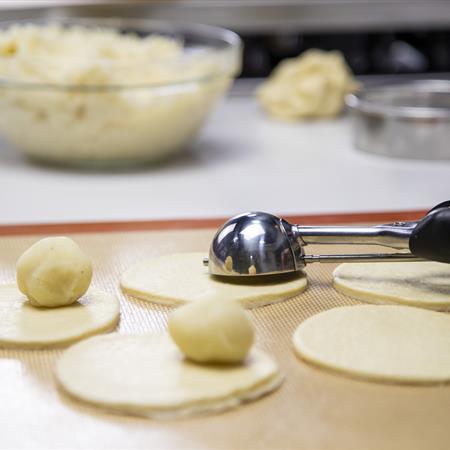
241	161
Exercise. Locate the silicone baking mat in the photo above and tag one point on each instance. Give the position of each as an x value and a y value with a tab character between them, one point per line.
314	409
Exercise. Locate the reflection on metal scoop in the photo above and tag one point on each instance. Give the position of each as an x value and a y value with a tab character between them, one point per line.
259	243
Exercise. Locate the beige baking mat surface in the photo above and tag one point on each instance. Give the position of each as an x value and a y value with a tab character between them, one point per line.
313	409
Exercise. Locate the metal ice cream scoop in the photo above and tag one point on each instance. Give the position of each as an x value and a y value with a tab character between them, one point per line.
259	243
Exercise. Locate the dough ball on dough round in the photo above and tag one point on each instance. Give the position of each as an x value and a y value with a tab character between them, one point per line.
182	278
146	375
212	331
54	272
423	284
379	342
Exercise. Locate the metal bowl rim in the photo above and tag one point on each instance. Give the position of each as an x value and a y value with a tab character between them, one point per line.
359	102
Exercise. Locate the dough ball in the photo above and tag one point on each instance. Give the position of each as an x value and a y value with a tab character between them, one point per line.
312	85
54	272
212	331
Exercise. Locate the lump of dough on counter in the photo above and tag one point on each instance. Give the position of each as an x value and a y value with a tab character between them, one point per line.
378	342
423	284
24	326
54	272
311	85
146	375
212	331
182	278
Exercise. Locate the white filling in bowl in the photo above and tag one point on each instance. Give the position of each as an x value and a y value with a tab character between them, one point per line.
110	91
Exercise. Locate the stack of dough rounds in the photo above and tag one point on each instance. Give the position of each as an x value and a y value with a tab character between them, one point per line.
146	375
422	284
181	278
24	325
383	342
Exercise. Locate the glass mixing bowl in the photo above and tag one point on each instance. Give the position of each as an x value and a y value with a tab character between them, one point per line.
114	111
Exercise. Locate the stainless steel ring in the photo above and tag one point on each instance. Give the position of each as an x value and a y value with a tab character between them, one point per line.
407	120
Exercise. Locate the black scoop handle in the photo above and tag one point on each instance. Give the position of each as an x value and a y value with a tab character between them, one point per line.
440	206
430	238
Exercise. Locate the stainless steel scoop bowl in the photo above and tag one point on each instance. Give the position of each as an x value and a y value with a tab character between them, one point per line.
259	243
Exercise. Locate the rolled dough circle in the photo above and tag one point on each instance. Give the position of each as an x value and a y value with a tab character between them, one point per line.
27	326
384	342
423	284
182	278
146	375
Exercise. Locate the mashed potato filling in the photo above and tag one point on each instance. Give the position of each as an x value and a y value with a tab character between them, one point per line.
86	93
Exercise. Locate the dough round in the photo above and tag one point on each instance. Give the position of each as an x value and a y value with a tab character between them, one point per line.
26	326
384	342
181	277
423	284
54	272
212	330
146	375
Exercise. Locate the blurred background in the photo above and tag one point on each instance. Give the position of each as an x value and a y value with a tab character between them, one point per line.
243	159
376	36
